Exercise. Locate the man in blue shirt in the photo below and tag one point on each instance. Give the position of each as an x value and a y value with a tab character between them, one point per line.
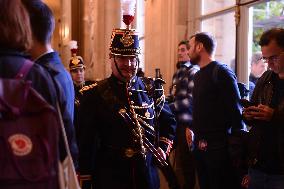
42	23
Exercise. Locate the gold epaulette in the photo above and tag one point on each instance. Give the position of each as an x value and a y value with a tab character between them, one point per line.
87	87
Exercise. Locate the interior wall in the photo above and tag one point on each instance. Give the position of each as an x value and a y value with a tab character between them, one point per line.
99	17
165	25
62	33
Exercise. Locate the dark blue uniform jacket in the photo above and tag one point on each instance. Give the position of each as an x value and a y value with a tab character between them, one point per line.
105	136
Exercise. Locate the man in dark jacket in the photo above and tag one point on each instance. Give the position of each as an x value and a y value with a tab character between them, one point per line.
118	116
42	22
216	114
266	116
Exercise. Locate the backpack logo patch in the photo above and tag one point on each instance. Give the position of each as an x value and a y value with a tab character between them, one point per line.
21	144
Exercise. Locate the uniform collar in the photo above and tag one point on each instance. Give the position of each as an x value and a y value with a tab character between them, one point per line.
43	54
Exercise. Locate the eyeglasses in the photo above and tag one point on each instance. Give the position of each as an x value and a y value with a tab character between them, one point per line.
273	58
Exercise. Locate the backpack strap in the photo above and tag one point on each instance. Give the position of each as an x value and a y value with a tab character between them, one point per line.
24	70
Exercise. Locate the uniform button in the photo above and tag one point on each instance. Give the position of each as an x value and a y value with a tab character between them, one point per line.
130	93
133	81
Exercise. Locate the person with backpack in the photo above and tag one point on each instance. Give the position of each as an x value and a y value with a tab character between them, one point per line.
14	22
216	115
42	25
28	131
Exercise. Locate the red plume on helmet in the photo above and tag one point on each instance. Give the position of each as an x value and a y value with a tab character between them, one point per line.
75	61
125	42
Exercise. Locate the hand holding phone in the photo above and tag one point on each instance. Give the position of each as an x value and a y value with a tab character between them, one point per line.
250	109
245	103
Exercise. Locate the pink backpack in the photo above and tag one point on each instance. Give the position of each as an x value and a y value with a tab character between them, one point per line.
29	129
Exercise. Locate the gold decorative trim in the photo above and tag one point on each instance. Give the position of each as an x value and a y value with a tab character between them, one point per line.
143	107
127	39
168	142
88	87
146	124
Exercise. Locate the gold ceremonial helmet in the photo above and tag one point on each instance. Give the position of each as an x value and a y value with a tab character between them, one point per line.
124	42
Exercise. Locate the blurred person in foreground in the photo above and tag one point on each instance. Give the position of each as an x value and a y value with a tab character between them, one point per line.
15	40
43	23
14	21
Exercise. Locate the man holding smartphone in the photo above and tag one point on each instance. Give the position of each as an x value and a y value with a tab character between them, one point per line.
266	142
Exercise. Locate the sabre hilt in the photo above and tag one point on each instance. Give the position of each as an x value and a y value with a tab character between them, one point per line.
146	143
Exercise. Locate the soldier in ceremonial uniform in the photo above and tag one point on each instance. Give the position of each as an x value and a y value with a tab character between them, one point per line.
126	126
77	71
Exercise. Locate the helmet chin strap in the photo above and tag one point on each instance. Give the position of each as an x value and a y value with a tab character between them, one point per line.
118	70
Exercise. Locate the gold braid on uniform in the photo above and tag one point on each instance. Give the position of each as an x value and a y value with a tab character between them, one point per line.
168	142
160	100
142	107
77	102
143	117
146	124
87	87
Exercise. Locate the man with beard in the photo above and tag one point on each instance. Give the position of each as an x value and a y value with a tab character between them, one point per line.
126	113
216	114
182	107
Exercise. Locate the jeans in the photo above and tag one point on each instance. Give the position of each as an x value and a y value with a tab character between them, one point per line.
214	169
261	180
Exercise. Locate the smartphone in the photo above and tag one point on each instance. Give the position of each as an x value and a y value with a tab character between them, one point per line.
245	103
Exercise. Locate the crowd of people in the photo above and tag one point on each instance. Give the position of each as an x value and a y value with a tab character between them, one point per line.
122	130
